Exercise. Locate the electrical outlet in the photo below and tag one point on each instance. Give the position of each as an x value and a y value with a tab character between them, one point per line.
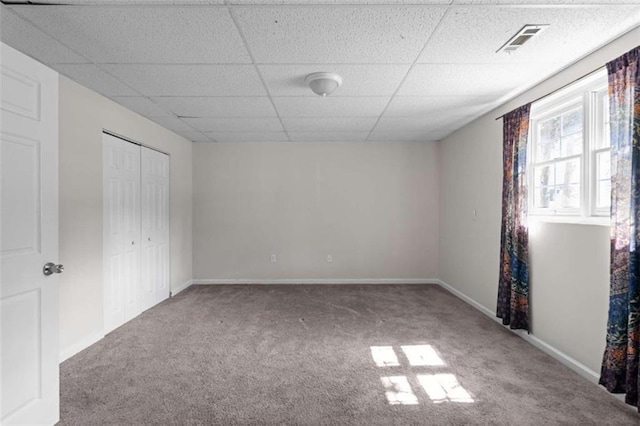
274	258
329	258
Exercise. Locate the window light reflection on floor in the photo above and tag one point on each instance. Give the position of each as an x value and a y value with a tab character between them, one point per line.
384	356
443	388
438	387
419	355
398	391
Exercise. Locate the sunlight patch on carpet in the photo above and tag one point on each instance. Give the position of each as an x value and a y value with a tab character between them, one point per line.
384	356
398	391
443	388
419	355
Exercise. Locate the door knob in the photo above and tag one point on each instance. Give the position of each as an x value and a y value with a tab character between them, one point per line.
52	268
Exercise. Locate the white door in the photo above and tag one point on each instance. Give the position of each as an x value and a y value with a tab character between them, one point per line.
121	238
155	227
28	240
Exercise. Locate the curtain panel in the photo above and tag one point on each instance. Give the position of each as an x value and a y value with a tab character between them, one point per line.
513	285
619	372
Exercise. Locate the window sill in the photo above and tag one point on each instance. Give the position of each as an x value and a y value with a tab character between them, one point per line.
572	220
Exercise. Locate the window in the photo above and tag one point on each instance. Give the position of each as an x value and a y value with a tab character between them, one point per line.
569	154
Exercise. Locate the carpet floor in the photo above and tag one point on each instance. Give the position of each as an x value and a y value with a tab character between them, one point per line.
324	355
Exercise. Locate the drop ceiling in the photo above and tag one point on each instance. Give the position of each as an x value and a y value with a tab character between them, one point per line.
233	71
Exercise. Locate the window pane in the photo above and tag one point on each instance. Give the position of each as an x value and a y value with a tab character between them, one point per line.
569	163
544	176
603	179
544	179
571	139
603	170
572	121
568	172
572	144
569	196
604	193
605	138
549	139
542	198
557	186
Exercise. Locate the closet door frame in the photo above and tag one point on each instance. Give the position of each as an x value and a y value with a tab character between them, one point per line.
110	326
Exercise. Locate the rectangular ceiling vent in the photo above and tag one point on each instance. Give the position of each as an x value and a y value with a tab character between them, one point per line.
525	34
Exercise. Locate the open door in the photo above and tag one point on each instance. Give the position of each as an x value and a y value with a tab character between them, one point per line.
29	392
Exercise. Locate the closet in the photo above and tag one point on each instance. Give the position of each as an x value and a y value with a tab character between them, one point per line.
135	229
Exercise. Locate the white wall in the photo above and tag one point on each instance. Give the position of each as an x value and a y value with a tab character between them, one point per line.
569	263
83	116
372	206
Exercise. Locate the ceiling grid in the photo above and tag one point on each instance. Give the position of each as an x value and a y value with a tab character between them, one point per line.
233	70
264	84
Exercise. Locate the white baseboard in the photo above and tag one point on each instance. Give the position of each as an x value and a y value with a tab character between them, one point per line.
181	287
572	363
565	359
80	346
318	281
488	312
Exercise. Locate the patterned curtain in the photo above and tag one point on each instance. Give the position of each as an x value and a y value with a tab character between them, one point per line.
513	285
620	363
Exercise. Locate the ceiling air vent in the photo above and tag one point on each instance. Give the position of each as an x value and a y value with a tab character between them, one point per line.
521	37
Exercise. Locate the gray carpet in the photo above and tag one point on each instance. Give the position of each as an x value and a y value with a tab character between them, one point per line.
302	355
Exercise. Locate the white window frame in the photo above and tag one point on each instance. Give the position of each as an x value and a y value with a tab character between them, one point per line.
589	93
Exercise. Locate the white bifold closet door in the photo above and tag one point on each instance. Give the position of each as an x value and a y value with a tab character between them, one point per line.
136	230
121	238
155	227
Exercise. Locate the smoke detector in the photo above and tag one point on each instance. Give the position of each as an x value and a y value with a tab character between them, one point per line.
525	34
323	83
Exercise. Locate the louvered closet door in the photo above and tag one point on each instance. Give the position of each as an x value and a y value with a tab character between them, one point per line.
121	239
155	227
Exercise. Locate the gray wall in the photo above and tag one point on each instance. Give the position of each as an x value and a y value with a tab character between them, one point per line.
569	263
372	206
83	116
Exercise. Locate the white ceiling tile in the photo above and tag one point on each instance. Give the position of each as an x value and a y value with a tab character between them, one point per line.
249	136
212	124
414	106
357	80
21	35
173	123
338	2
191	80
394	34
435	121
141	105
161	60
359	124
194	136
378	136
307	106
472	79
544	2
328	136
131	2
180	127
143	34
218	106
572	32
95	79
